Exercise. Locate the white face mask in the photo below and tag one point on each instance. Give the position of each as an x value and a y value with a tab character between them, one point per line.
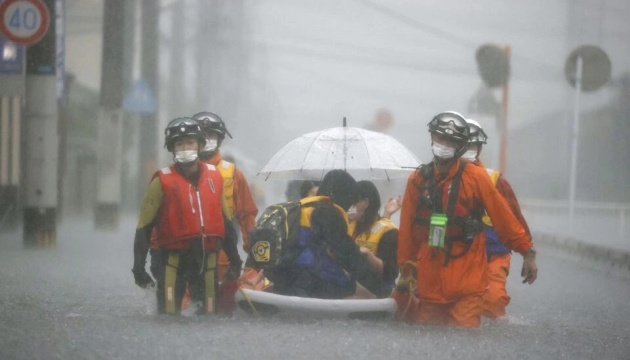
211	145
185	156
470	155
352	212
443	151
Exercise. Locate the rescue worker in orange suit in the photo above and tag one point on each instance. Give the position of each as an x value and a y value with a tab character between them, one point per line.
240	202
328	263
184	203
441	229
376	236
496	297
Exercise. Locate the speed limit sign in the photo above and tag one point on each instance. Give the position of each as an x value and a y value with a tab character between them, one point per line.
24	21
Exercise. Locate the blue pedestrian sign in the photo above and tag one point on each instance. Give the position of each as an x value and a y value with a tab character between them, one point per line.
11	57
140	98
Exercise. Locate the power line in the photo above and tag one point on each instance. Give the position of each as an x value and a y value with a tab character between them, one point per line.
441	33
374	92
418	25
295	50
362	59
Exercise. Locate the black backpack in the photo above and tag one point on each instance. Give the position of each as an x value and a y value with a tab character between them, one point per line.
274	240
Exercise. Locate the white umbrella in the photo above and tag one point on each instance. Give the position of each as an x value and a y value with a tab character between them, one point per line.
364	154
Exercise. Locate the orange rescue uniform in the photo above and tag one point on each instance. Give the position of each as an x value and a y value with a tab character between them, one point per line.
496	297
451	292
239	200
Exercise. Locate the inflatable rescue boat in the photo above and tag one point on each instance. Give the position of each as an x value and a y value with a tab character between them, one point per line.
264	303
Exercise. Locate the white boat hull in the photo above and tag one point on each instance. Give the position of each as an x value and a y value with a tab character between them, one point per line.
292	306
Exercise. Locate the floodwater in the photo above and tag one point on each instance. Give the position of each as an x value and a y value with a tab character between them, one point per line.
79	301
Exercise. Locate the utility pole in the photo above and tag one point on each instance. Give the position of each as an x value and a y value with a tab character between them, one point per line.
177	92
107	212
207	56
41	140
149	134
493	64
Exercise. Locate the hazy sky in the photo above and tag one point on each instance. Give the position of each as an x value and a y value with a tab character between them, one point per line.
329	59
313	62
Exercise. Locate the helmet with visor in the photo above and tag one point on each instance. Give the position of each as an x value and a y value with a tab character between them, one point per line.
477	135
211	122
180	127
450	125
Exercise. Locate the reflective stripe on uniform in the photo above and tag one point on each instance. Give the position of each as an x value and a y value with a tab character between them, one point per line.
170	279
210	294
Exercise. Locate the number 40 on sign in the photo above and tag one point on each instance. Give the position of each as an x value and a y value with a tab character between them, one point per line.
24	21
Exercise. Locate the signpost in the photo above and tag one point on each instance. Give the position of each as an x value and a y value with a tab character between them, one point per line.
587	69
493	64
24	21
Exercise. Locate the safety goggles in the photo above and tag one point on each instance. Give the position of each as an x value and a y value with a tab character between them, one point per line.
181	129
449	123
212	124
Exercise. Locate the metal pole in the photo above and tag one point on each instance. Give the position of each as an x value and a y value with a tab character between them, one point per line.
109	173
10	116
345	144
41	140
150	135
574	142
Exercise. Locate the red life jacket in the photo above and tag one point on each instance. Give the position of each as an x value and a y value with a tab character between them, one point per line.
181	216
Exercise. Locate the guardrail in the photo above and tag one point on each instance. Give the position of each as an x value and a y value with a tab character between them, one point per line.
595	223
614	261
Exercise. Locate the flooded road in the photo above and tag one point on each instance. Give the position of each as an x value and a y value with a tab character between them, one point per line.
79	301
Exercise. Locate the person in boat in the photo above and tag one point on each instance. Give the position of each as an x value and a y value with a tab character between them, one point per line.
376	236
309	188
328	263
299	189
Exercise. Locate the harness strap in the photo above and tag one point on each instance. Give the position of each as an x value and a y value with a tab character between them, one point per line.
450	208
435	197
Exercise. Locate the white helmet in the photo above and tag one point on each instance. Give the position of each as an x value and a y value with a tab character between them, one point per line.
477	135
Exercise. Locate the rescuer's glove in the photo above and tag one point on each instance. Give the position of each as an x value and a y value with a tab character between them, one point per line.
142	279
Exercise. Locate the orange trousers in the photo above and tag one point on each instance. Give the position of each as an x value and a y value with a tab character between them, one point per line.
496	298
465	312
222	265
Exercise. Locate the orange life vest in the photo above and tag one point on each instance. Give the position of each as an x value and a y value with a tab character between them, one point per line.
191	211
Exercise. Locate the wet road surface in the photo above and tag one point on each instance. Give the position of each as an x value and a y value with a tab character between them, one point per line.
79	301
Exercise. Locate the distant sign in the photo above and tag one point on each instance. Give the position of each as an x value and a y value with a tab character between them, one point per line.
596	67
140	98
24	21
493	64
11	57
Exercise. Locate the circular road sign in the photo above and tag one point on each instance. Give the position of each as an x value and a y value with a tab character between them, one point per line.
595	67
24	21
493	64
